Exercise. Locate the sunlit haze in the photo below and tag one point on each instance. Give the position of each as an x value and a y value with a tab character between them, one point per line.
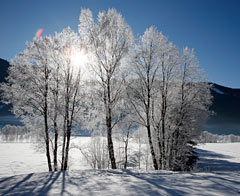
79	58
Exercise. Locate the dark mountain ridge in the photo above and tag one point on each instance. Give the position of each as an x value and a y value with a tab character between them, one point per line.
6	117
226	108
3	69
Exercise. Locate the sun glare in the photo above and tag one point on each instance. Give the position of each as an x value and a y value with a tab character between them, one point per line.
79	61
79	58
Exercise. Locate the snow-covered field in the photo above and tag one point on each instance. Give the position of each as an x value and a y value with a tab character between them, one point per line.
218	173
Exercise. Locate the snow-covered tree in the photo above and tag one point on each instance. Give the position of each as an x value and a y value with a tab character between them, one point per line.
166	87
108	41
27	87
143	86
67	84
44	83
190	110
166	73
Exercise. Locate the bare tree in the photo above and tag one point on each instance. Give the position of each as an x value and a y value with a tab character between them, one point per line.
27	87
44	83
164	93
192	100
142	86
109	41
66	88
161	104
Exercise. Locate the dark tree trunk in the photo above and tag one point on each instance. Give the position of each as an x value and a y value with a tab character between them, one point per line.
110	142
108	104
55	152
155	165
55	147
66	120
46	120
69	116
163	150
160	147
67	147
126	151
47	143
63	147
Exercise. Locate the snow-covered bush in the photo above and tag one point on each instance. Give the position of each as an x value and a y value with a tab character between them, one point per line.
96	152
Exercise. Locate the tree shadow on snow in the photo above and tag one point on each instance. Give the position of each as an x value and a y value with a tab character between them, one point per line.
159	183
31	184
96	182
210	154
16	185
110	182
212	162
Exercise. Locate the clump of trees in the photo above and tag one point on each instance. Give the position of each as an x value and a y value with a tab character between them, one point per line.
45	90
169	96
130	83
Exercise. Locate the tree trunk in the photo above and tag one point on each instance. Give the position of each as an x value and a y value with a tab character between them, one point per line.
66	122
56	101
64	143
110	142
63	148
55	147
155	165
160	147
107	102
67	147
47	142
46	120
163	140
126	150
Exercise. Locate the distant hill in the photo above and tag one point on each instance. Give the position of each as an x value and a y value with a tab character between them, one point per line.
6	117
3	69
226	106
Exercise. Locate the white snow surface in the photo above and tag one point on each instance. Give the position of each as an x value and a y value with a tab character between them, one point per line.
218	173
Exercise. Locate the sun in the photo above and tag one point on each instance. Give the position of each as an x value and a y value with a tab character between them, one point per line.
79	58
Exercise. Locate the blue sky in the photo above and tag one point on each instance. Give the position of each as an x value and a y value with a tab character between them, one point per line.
211	27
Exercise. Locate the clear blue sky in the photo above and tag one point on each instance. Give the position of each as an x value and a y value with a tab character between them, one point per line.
211	27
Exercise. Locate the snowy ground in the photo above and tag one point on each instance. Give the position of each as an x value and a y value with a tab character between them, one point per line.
218	174
23	158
